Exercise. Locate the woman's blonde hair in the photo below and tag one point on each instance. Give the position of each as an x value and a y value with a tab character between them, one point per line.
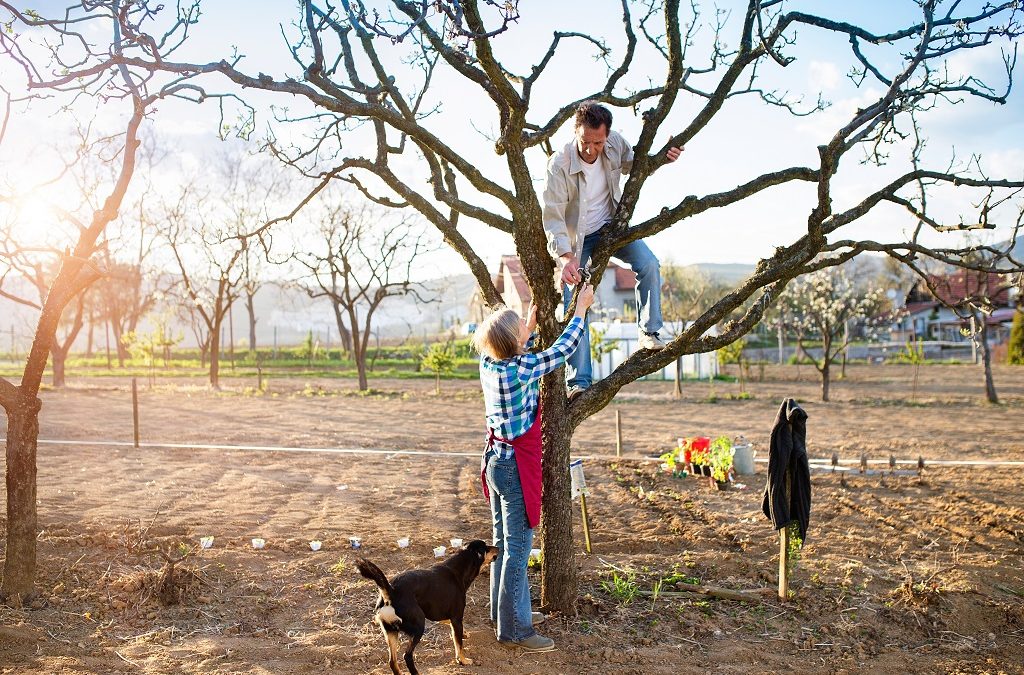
497	336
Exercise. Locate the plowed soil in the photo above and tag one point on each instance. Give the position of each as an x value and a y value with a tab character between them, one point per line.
900	572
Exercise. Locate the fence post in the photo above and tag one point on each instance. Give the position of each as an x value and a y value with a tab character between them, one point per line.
135	409
618	433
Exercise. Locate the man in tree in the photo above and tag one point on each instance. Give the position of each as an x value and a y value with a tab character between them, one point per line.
581	197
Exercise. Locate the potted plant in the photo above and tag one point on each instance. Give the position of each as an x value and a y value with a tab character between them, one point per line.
668	461
699	455
720	454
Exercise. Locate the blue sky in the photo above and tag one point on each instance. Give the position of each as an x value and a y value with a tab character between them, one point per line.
746	139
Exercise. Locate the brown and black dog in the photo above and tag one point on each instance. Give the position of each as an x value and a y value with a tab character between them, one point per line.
437	593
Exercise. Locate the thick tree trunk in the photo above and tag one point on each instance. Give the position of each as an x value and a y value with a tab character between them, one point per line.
88	342
846	348
58	357
825	379
559	578
20	560
122	350
364	384
359	347
215	357
343	332
782	343
986	357
251	309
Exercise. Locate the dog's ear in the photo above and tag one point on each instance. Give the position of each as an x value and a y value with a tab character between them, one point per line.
478	548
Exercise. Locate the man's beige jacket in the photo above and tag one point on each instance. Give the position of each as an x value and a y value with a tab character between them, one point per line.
564	191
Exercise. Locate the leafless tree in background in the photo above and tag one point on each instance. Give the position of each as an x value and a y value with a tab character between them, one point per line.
357	259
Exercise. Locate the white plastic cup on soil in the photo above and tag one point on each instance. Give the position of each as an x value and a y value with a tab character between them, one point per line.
403	542
315	545
456	542
535	554
206	542
439	551
355	542
258	543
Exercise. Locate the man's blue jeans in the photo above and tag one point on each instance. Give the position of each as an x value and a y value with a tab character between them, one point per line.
510	589
579	370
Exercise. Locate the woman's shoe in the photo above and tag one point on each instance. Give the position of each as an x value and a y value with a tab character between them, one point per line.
534	643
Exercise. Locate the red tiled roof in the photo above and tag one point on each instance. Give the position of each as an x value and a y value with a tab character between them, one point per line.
954	288
915	307
625	279
515	270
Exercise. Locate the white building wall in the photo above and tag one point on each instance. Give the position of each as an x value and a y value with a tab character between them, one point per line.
625	335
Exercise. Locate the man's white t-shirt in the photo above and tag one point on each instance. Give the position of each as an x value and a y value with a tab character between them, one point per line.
596	204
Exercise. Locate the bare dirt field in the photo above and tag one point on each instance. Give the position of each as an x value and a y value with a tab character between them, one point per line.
900	573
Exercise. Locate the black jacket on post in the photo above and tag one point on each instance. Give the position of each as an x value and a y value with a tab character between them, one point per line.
787	459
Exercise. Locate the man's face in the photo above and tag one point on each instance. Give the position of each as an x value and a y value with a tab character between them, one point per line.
590	142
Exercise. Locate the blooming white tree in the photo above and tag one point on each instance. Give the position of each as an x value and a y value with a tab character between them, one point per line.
820	306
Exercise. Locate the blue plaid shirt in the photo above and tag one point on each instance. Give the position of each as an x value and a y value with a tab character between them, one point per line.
512	386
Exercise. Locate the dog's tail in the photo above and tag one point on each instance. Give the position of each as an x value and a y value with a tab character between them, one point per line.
374	574
386	614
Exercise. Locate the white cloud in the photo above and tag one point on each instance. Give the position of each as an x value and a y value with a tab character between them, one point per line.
823	75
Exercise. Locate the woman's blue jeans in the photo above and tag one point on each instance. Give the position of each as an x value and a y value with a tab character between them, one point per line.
510	589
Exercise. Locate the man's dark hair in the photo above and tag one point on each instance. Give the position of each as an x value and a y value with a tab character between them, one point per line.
592	115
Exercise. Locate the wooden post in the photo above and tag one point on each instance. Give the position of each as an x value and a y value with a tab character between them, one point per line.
135	409
974	340
784	563
231	333
586	522
618	433
106	327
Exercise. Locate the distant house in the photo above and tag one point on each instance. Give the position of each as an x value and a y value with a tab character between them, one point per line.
614	298
926	314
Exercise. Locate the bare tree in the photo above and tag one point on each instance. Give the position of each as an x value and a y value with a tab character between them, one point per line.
251	185
821	306
686	293
131	287
77	267
973	298
209	256
350	80
360	260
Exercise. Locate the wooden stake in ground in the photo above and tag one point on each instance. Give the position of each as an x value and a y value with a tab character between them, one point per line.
578	488
618	433
784	563
135	409
586	523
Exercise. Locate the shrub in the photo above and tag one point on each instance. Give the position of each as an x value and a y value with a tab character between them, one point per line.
1015	352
